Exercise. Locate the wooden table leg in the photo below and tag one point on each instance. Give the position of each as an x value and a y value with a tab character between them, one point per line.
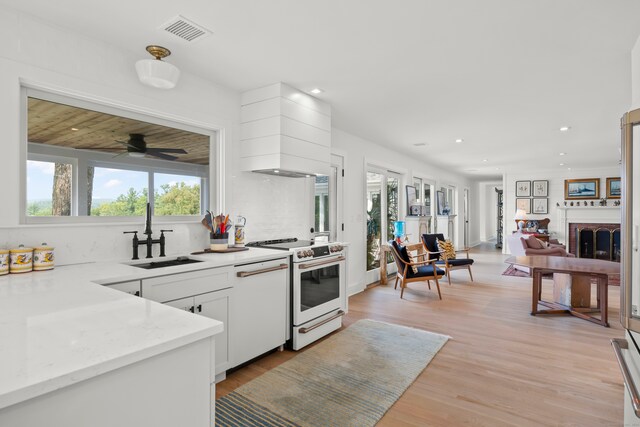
535	293
383	264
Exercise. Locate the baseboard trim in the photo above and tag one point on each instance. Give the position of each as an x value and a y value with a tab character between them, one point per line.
354	289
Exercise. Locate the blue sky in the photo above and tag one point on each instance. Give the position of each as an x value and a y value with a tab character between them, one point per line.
107	183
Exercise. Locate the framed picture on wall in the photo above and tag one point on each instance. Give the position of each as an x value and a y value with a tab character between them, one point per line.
524	204
613	188
523	188
412	198
585	188
540	189
540	206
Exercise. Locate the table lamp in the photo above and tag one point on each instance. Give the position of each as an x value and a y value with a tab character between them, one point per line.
521	215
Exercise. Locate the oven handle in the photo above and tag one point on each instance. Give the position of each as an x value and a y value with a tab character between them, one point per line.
264	270
617	344
317	264
317	325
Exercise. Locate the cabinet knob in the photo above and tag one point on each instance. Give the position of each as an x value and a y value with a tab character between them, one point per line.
199	308
192	309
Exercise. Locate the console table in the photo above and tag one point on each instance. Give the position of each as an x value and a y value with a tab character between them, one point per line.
571	285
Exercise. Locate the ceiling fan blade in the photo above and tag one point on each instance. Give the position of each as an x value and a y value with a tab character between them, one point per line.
124	153
126	144
99	148
166	150
161	155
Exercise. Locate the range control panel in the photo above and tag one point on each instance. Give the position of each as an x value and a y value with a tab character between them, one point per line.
320	251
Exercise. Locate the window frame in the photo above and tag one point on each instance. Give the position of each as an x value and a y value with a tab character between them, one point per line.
213	193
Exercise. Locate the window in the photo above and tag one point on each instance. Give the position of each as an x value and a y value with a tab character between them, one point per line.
382	210
117	192
177	194
322	203
85	159
49	187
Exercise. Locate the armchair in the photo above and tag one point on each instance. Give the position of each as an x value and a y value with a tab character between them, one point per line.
430	242
426	270
525	245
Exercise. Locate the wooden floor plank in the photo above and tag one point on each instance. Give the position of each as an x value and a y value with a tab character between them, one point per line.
502	366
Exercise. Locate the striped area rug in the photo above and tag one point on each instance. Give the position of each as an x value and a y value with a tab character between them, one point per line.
350	379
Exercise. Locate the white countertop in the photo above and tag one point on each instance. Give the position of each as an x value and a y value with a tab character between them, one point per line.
59	327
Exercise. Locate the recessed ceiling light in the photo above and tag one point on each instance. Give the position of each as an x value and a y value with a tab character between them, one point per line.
308	176
459	140
276	171
485	160
568	169
564	128
316	91
497	169
74	129
563	154
561	164
420	144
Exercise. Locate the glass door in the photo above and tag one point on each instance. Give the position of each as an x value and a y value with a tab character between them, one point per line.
630	283
382	210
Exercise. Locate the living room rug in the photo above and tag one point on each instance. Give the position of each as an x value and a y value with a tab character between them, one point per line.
349	379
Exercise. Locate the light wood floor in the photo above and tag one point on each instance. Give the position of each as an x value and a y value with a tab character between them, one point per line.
502	366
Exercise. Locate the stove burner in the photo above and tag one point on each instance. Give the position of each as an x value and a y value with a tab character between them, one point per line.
282	244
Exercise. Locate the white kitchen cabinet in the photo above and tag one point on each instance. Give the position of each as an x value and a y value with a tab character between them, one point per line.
214	305
259	308
175	286
132	287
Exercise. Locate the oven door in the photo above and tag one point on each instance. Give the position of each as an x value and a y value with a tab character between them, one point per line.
318	288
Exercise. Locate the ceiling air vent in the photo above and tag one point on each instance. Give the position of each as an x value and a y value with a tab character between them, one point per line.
185	29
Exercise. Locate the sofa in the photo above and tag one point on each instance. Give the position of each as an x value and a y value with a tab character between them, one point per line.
521	244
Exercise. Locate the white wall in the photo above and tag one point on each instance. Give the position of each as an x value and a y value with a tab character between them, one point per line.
635	76
556	195
358	152
51	57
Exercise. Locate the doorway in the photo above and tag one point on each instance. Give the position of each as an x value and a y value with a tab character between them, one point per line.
382	209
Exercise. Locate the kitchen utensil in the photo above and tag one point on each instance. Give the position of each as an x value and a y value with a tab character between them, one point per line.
20	260
43	258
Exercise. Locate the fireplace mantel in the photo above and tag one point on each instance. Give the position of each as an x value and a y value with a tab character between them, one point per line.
586	214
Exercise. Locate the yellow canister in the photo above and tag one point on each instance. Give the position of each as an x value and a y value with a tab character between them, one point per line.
20	260
4	261
43	258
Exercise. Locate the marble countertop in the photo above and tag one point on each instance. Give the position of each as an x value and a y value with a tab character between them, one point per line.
59	327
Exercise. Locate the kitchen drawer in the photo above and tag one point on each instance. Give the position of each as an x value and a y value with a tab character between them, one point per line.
132	287
181	285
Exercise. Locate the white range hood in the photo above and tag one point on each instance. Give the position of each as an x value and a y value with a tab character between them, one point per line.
285	132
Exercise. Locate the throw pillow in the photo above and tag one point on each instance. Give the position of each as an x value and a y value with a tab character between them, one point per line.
534	243
446	246
413	259
406	256
542	243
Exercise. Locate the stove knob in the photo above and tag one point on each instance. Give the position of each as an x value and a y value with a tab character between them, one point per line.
300	254
309	252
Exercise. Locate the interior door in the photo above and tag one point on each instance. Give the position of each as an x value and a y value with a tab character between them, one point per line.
630	283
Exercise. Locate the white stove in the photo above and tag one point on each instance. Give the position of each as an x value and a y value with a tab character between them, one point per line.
318	287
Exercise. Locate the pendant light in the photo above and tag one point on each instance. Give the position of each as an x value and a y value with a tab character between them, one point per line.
155	72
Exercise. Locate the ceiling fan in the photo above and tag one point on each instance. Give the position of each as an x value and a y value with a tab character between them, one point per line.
137	147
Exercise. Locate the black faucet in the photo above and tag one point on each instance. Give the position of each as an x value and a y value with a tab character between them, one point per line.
149	241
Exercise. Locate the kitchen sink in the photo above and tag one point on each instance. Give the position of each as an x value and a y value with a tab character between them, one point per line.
182	260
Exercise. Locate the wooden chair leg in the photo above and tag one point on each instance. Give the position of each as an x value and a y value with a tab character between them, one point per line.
438	286
470	275
448	277
429	284
402	286
395	286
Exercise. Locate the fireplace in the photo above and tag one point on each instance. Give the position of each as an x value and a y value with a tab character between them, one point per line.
595	240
